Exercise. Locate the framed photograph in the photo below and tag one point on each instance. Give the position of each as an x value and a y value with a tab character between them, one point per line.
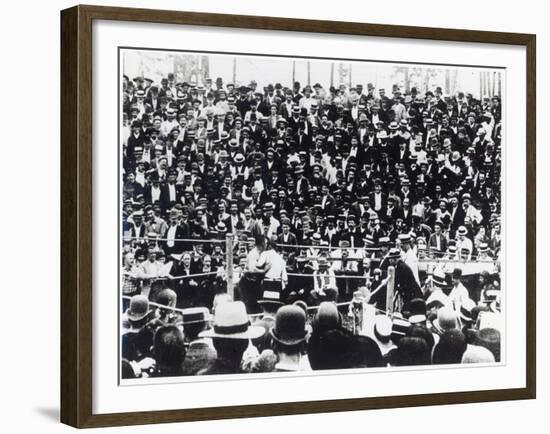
342	214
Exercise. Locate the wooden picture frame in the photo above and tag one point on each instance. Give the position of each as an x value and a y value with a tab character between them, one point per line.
76	214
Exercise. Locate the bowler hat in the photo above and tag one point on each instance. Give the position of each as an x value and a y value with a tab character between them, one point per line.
138	309
290	325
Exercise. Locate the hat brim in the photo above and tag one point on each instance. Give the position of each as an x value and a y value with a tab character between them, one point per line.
253	332
132	317
264	301
207	318
287	341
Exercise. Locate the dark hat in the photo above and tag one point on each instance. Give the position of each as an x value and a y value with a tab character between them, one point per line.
450	348
490	339
138	309
417	310
290	325
412	351
327	317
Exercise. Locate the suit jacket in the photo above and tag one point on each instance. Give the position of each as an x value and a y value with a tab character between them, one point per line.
405	283
443	243
384	200
165	201
182	232
229	225
291	239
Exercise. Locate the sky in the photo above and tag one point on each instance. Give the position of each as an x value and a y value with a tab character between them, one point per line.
265	70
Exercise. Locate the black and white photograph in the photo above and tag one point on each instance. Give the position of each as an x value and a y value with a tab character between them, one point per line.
298	215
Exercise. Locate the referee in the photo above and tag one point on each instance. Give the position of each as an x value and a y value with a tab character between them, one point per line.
273	266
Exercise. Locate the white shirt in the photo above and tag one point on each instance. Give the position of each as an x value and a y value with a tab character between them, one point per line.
140	178
465	244
155	194
277	271
377	201
171	235
172	192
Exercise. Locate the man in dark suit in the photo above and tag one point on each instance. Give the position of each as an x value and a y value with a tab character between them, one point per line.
234	218
170	192
438	241
406	286
286	236
378	198
390	212
175	233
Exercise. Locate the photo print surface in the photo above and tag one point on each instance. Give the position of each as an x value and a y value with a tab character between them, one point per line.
286	215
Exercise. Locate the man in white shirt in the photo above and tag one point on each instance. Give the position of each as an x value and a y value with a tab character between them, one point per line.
274	268
324	282
463	243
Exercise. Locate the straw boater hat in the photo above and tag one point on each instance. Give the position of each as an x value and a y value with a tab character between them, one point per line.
394	253
417	311
231	322
271	297
194	315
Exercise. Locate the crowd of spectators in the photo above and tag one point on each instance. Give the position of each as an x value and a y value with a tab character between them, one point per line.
314	194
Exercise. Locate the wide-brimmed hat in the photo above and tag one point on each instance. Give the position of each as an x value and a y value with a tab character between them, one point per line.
239	158
221	228
290	325
231	322
138	309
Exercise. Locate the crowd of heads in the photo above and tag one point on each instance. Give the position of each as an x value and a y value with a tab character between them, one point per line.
338	180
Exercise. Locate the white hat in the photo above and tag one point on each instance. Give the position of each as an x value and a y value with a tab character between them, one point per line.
477	354
231	322
383	325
